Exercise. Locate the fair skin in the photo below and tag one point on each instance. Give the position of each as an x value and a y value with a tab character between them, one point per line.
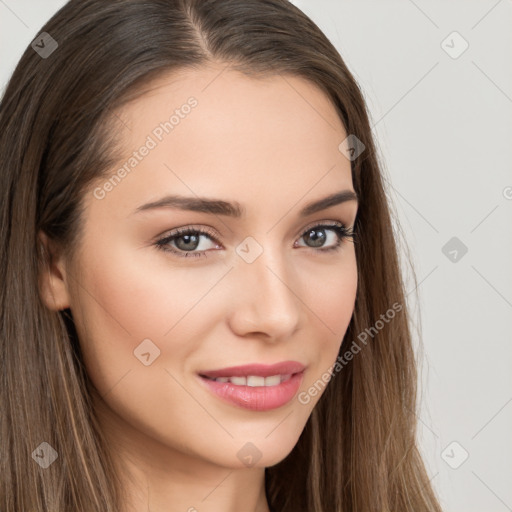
272	146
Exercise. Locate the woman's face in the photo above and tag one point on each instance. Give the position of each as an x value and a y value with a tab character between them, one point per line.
242	289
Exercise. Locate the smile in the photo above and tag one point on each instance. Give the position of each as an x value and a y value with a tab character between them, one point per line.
254	380
255	392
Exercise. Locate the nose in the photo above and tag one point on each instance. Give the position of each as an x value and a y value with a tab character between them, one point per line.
265	299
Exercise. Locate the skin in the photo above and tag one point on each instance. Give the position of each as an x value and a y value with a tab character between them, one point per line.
272	145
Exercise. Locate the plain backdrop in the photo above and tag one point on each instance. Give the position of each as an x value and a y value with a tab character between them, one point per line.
437	79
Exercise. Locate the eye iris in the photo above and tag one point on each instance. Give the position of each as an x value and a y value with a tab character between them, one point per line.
318	241
189	239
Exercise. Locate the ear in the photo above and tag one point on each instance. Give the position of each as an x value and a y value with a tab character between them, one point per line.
52	278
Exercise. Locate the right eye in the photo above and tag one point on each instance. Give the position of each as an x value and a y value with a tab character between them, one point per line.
184	242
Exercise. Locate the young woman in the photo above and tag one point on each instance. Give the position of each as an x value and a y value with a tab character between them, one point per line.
201	303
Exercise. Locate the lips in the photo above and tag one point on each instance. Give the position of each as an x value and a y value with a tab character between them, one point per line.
255	386
258	370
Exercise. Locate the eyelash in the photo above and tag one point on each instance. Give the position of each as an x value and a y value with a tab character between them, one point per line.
340	229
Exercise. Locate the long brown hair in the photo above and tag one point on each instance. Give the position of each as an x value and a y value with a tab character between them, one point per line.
358	451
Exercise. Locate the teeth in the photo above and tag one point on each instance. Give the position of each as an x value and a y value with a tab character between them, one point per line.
255	380
274	380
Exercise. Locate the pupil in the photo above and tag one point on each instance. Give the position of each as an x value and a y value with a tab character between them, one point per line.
317	240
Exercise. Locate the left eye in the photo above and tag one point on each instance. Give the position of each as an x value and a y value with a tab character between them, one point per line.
187	241
318	235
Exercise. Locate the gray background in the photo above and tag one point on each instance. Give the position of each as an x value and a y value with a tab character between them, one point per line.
443	123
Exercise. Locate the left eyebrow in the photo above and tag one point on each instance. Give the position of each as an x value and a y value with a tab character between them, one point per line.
220	207
326	202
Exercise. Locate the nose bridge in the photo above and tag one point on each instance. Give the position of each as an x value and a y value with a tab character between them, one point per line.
266	302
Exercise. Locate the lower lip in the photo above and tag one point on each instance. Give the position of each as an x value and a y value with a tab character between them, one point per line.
258	398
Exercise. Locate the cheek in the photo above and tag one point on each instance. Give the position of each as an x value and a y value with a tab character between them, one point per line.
119	306
140	296
331	300
124	298
329	292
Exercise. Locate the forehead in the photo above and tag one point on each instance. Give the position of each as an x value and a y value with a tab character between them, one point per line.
214	131
219	86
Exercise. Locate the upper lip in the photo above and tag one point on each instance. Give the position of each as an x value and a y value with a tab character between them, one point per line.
261	370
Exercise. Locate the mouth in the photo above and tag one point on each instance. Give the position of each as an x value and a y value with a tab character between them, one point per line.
283	368
255	387
253	380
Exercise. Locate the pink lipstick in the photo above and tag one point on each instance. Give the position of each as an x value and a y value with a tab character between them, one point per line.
255	386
